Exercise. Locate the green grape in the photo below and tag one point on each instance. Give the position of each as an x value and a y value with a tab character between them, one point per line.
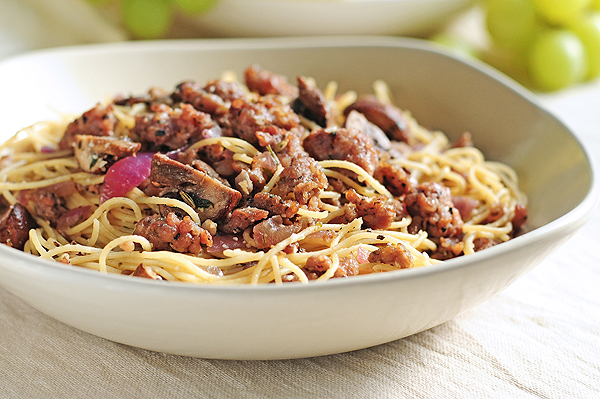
511	23
147	19
561	11
557	60
195	6
587	27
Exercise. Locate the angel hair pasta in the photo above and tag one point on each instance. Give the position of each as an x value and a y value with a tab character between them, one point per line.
247	183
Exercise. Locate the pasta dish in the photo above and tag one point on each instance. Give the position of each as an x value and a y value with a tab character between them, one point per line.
251	181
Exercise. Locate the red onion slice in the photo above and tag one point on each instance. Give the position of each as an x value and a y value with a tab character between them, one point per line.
465	206
73	217
223	242
362	255
125	175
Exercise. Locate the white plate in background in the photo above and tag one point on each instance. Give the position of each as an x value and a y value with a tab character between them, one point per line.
255	18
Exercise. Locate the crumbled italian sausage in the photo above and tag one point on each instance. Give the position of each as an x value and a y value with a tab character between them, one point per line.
343	144
98	121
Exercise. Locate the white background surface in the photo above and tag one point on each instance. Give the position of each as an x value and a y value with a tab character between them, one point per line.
540	338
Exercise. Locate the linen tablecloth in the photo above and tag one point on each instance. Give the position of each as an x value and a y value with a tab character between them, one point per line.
540	338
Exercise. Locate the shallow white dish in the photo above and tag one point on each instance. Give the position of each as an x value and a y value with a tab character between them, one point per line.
271	322
327	17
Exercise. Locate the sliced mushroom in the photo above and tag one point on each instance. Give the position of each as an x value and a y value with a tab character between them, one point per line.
208	196
388	117
311	103
15	225
356	120
96	153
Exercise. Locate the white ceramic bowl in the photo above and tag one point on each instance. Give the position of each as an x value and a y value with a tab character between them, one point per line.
294	320
327	17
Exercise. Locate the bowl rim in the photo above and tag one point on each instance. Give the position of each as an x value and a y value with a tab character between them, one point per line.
570	222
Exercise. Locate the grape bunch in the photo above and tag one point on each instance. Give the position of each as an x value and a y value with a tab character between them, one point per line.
152	19
555	43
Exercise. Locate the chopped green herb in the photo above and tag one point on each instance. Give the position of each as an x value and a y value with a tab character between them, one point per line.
194	201
204	203
95	159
